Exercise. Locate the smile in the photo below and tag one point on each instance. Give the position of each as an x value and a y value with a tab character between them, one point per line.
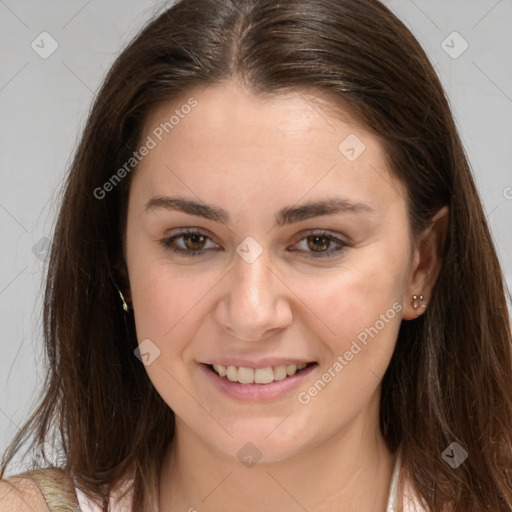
243	383
267	375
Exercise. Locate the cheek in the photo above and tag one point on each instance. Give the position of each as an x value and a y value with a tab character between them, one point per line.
169	307
337	314
357	316
352	298
170	301
363	316
167	301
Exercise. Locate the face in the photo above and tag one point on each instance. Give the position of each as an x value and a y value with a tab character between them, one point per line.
263	235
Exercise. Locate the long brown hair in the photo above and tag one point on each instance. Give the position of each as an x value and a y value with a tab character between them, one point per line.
450	378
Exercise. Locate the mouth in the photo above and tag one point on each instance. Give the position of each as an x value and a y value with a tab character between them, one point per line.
263	376
245	384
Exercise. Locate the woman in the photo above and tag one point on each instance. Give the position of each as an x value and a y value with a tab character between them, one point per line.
272	268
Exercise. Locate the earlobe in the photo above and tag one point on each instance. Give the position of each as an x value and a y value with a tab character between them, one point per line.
428	258
417	301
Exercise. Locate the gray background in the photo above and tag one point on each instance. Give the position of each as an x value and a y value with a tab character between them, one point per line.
44	103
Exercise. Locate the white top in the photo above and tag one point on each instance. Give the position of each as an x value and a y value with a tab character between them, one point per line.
410	503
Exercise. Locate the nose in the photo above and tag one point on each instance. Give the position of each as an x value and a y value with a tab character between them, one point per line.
256	304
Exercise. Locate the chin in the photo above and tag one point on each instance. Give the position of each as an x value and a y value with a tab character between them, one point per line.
264	445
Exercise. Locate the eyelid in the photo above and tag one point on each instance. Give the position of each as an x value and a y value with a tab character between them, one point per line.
333	238
342	244
168	240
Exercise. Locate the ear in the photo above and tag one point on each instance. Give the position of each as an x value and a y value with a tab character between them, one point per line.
426	264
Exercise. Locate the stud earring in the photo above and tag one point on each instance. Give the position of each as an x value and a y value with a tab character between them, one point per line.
416	301
125	306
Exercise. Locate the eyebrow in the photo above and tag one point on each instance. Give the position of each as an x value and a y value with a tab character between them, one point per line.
287	215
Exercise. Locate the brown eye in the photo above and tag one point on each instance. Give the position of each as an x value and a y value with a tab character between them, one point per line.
318	243
191	243
194	241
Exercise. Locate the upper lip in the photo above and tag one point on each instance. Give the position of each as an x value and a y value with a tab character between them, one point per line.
260	363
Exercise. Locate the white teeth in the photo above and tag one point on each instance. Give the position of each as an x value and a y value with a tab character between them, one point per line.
291	369
280	372
232	373
259	375
221	370
263	375
245	375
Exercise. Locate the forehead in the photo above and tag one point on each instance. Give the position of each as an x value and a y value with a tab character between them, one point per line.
230	114
223	138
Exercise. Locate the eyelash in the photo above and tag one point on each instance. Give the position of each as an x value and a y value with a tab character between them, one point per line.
168	244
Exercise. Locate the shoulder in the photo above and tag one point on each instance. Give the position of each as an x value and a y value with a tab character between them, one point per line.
20	493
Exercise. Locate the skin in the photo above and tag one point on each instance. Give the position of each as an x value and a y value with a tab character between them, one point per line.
253	156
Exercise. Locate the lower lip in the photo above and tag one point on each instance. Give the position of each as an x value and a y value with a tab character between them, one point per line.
257	392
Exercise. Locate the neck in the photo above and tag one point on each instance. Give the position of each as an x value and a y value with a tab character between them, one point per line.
348	472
